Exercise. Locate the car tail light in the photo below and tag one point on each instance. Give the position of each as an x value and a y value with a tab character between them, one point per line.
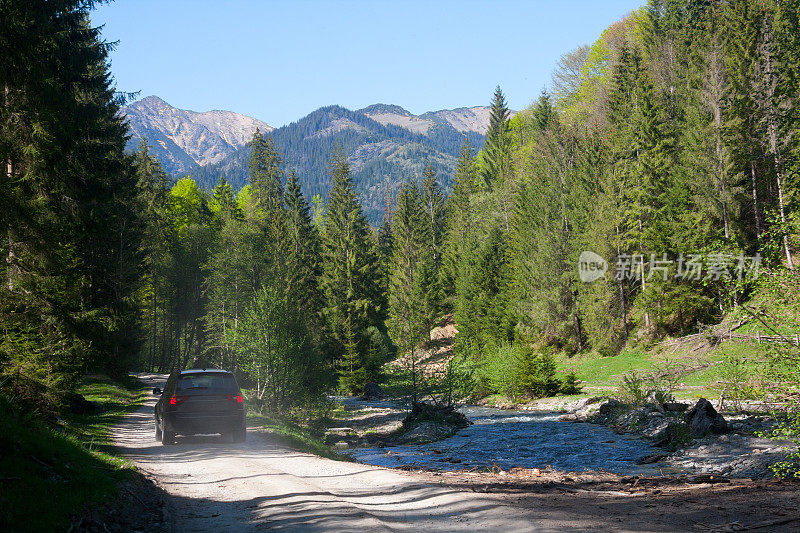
177	400
235	398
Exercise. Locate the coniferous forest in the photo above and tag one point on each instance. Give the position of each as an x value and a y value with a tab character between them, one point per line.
670	148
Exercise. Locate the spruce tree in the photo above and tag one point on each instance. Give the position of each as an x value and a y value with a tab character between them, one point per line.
304	262
71	222
433	205
409	310
348	274
158	240
265	173
462	242
496	161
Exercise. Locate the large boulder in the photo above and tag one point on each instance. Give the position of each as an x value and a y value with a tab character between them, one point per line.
81	406
373	391
704	419
441	414
431	422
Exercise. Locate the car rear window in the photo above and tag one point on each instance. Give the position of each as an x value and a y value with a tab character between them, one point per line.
207	381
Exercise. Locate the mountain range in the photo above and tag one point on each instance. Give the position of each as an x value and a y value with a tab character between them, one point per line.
385	144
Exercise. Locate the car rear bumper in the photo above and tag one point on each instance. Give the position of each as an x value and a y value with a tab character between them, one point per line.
189	424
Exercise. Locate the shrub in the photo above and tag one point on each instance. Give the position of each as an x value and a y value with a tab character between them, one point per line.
536	374
633	389
788	428
515	370
657	385
734	385
570	384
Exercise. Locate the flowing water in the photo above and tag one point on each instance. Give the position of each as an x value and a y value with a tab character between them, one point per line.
508	439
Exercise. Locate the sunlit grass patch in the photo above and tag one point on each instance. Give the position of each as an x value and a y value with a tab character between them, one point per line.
605	371
292	434
113	401
51	475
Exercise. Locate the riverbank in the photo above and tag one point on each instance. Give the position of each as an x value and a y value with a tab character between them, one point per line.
552	432
600	501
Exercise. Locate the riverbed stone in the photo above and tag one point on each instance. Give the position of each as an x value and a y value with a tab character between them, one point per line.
677	407
650	459
591	407
704	419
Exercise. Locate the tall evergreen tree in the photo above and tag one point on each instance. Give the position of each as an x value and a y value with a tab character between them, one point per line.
433	205
409	310
348	274
460	238
265	172
157	241
71	223
496	163
304	261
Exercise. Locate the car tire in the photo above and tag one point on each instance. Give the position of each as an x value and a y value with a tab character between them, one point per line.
240	435
167	437
158	432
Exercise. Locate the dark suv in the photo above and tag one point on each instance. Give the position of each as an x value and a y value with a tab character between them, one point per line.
200	402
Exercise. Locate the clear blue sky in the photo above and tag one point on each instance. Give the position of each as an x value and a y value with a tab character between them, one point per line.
278	61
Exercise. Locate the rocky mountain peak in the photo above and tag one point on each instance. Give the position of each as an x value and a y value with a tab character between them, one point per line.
183	139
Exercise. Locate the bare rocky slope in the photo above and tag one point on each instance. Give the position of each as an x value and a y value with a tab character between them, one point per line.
184	139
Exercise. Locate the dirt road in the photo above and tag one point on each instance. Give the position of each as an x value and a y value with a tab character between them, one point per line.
216	486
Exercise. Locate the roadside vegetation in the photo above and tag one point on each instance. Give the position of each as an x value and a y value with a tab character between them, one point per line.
57	465
302	430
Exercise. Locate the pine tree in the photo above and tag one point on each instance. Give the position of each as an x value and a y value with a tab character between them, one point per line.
385	244
409	309
348	274
222	196
460	240
72	225
157	242
496	161
265	173
304	262
743	127
433	205
543	234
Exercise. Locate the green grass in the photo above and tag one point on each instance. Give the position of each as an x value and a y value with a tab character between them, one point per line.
605	371
294	435
114	401
50	475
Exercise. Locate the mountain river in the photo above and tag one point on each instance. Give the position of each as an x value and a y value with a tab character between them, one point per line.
508	439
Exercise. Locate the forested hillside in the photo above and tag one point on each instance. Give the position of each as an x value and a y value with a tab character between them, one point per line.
669	148
381	155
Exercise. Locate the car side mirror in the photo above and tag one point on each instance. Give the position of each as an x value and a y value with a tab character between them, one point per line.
157	391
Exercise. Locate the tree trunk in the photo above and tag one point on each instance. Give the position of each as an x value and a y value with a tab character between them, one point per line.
754	185
771	110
